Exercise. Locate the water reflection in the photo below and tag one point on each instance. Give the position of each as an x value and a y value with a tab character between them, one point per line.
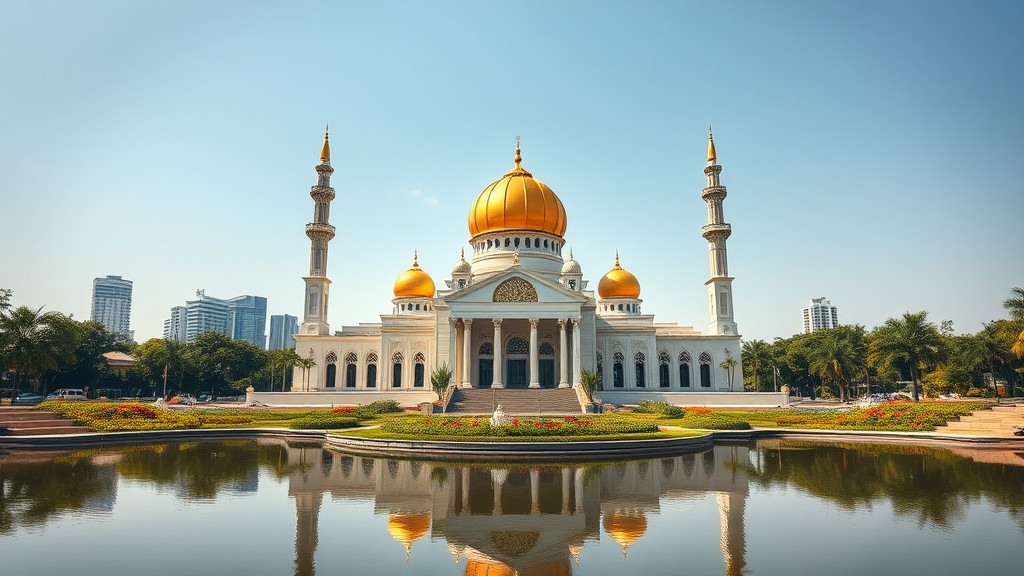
518	519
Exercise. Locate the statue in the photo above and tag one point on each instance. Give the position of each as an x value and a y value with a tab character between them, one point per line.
499	418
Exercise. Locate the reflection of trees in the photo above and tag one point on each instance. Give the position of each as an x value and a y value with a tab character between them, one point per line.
933	485
32	494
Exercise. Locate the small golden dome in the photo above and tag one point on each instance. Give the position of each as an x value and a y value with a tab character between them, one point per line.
517	201
625	527
619	283
408	528
414	282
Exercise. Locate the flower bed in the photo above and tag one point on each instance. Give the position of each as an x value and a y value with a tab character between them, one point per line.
897	416
467	427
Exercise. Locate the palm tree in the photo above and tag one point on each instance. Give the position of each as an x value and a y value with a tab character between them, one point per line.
1015	304
439	380
285	359
729	365
305	364
757	355
834	357
912	340
29	343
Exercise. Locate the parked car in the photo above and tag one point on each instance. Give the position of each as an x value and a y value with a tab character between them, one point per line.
69	394
27	399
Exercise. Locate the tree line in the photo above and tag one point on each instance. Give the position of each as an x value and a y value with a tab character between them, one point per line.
43	351
910	351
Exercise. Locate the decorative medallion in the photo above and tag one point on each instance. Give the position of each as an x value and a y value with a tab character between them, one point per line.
515	290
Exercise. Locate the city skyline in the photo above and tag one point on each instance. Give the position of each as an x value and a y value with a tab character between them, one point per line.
872	159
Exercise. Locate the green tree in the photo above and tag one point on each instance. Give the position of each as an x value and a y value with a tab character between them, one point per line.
305	364
835	358
33	342
440	378
5	299
282	360
156	357
757	357
589	380
729	365
912	340
1015	304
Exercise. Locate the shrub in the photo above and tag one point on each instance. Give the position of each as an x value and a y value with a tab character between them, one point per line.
712	421
663	409
450	426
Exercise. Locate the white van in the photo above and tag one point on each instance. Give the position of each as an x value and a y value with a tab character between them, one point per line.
70	394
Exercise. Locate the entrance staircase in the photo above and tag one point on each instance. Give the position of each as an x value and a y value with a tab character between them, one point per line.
999	422
29	421
530	402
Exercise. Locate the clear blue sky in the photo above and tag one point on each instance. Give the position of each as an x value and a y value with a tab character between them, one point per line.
873	151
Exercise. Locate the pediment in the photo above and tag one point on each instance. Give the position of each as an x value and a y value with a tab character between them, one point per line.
515	286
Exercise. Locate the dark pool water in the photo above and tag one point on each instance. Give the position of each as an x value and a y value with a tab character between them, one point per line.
272	508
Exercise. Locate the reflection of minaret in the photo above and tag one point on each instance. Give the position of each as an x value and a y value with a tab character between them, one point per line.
733	539
307	516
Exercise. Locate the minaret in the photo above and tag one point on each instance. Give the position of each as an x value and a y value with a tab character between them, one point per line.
320	233
716	231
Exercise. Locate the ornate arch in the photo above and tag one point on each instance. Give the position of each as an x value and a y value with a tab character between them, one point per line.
331	358
486	349
517	345
515	290
546	349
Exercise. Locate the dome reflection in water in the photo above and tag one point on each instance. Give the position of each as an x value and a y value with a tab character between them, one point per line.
773	508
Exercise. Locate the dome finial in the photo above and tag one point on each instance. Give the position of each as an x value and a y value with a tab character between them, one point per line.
712	156
325	152
570	254
415	258
519	155
617	258
462	253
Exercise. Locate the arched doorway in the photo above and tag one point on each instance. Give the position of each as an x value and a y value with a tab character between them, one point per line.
485	365
517	354
546	365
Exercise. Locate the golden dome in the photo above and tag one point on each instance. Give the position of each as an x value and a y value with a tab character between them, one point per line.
517	202
625	527
408	528
482	568
414	283
619	283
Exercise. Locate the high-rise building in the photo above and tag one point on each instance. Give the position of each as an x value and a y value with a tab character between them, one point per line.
820	315
282	331
247	319
112	304
240	318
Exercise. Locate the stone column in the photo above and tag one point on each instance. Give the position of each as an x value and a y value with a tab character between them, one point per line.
534	364
467	342
563	355
453	362
498	480
576	352
496	369
534	491
465	491
456	365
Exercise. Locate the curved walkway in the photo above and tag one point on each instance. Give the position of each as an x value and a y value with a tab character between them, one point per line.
492	451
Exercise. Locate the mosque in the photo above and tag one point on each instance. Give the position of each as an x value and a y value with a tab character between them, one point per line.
515	313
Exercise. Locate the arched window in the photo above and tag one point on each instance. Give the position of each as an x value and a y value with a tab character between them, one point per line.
705	370
684	369
396	370
332	369
663	369
350	369
638	364
371	370
419	370
517	345
546	349
486	349
600	364
617	377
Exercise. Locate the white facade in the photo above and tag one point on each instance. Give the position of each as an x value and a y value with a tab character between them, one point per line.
517	314
112	304
820	315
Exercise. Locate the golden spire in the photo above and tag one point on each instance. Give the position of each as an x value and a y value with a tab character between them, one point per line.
570	254
415	259
617	258
519	155
325	152
712	156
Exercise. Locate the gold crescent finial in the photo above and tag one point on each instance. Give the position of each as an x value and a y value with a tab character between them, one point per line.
519	155
712	155
617	258
325	151
415	259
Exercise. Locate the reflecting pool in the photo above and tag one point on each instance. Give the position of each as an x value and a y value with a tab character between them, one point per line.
275	508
